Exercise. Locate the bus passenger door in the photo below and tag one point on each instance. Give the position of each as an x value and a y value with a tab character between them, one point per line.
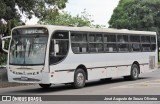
58	52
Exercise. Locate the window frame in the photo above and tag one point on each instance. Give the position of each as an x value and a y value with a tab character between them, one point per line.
129	42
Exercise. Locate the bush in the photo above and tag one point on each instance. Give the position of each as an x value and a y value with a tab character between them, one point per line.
3	59
3	75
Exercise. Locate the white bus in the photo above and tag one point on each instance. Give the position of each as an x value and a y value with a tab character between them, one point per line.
46	54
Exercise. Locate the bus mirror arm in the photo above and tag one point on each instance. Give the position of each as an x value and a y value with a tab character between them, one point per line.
3	43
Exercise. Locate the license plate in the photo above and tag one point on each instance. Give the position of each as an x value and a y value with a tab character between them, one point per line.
24	78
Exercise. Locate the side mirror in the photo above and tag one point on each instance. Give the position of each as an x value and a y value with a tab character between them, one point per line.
3	43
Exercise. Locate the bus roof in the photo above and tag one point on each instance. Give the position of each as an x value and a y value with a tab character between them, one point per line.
89	29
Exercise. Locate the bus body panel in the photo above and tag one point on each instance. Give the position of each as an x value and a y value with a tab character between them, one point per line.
100	66
63	76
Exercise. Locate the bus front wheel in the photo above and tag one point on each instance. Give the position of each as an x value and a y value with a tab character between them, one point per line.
79	78
45	86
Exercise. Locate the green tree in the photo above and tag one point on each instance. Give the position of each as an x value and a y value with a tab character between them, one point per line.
12	10
137	15
65	18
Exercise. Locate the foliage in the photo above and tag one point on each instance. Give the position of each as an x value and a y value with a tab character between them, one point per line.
29	7
65	18
12	10
3	59
137	15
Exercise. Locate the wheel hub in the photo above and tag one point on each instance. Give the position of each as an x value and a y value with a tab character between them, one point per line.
80	79
135	72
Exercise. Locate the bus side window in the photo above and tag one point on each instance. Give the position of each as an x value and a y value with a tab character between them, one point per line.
110	43
79	42
95	43
123	45
146	45
135	43
153	43
110	47
136	47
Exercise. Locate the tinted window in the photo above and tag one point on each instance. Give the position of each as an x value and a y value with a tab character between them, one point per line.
153	47
135	47
96	47
95	42
153	43
153	39
109	38
99	38
61	35
134	38
92	38
123	47
110	47
61	39
146	47
107	42
145	39
78	37
79	42
135	43
79	47
122	38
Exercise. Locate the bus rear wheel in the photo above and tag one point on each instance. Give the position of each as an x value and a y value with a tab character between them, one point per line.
79	78
134	73
45	86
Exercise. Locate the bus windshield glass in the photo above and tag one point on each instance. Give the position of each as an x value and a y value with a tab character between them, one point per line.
28	46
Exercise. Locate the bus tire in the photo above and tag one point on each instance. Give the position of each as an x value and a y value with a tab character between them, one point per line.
45	86
134	72
79	78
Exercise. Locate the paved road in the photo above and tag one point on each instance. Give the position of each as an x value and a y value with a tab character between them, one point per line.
148	84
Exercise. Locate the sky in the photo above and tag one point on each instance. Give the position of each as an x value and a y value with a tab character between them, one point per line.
100	10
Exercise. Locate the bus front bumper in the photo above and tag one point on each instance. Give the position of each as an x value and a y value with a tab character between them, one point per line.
43	77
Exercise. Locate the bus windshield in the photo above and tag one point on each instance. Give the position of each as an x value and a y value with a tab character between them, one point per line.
28	47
